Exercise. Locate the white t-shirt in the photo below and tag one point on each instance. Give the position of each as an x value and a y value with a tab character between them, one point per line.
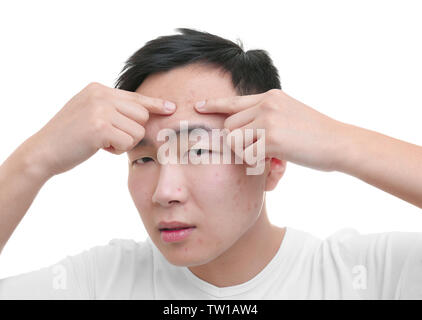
346	265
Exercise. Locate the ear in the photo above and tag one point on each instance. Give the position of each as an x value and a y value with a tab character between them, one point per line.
276	170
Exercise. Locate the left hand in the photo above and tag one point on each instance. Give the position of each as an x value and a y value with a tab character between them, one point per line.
293	131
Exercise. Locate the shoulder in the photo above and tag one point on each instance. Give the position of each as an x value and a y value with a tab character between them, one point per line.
354	246
113	269
349	248
117	254
118	249
391	262
351	240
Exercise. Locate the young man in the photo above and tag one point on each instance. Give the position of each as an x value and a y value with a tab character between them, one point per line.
209	233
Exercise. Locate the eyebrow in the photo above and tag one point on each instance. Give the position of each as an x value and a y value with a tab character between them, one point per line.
148	142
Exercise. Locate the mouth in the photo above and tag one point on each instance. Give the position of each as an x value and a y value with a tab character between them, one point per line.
173	225
175	231
175	235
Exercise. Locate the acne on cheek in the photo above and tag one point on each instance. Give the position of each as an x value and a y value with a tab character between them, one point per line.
242	195
254	203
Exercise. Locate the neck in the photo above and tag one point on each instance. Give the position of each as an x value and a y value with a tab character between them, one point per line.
246	258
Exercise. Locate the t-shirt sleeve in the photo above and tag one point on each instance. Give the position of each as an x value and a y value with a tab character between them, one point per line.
74	277
67	279
384	265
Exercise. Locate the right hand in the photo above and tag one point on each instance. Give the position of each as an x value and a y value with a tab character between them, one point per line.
97	117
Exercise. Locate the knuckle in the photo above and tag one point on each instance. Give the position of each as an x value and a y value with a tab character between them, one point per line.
98	110
268	106
140	97
269	122
94	86
274	92
234	103
231	106
144	100
227	123
93	97
157	102
99	125
128	144
145	116
96	90
95	111
140	133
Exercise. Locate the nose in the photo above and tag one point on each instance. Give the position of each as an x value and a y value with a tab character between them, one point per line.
170	188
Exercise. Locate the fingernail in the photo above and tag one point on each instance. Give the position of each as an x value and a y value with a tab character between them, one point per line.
169	106
200	105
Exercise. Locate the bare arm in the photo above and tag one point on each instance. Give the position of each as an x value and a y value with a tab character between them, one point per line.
21	178
392	165
97	117
298	133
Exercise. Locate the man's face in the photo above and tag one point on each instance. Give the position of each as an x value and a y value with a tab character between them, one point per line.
220	200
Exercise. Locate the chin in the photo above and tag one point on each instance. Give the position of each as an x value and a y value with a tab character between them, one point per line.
183	261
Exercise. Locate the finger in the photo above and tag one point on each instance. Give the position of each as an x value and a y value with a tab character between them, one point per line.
132	128
241	118
250	133
255	153
228	105
112	150
153	105
133	111
117	141
234	141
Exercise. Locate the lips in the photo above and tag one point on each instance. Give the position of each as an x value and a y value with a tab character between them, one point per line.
174	225
175	231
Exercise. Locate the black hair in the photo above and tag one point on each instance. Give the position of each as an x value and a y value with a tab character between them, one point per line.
252	72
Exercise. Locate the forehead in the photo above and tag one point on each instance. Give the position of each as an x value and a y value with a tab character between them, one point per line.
188	83
184	86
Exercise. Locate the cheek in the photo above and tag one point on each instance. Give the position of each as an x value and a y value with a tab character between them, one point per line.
140	192
246	200
227	194
212	186
243	191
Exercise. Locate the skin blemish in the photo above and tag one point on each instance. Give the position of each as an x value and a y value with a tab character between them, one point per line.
179	189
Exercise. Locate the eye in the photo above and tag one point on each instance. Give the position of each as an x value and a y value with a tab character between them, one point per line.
142	160
199	152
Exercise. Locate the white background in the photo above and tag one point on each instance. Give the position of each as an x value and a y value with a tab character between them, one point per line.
356	61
